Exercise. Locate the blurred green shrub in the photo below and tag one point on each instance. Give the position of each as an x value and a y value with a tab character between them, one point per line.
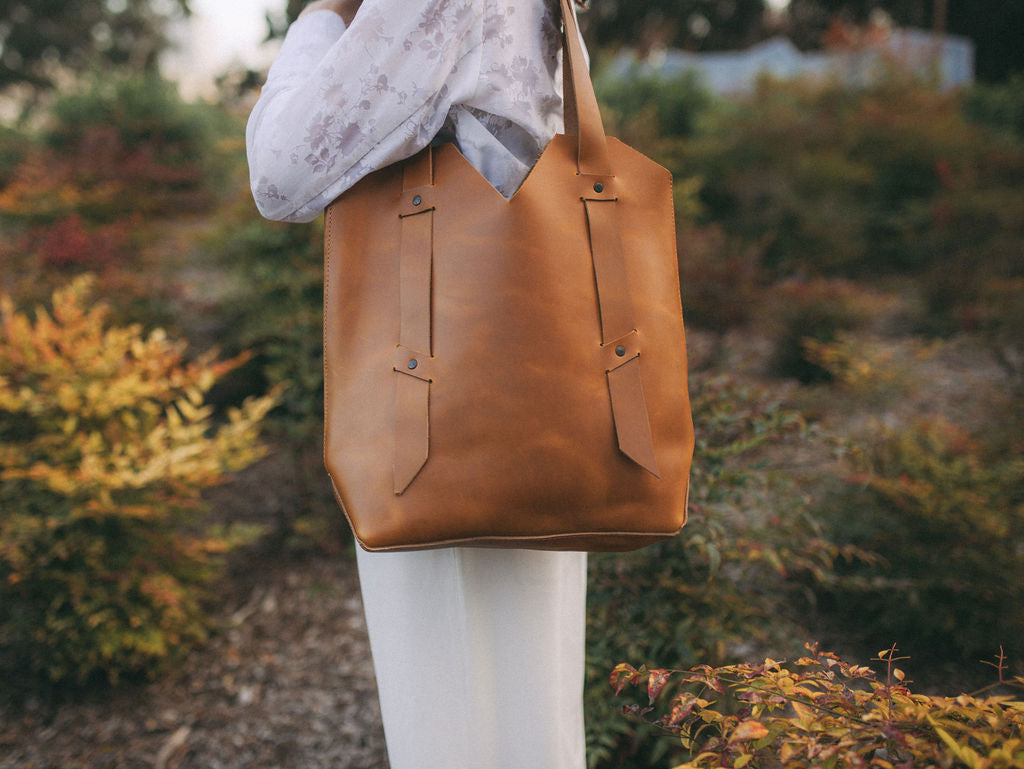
717	590
838	180
720	277
945	510
645	108
1000	105
864	184
105	447
14	145
273	307
1001	326
808	180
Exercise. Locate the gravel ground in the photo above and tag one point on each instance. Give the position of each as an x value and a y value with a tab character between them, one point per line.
287	683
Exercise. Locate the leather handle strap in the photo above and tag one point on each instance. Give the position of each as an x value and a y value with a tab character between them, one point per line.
581	112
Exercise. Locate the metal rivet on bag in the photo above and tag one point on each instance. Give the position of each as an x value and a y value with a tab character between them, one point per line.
620	350
598	187
413	363
417	200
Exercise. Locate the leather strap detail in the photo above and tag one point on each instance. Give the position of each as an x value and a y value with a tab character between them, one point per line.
621	350
618	335
417	200
412	428
414	363
609	270
632	425
570	120
579	103
415	269
412	385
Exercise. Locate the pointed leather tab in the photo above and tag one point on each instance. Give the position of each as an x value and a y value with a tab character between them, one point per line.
632	424
412	428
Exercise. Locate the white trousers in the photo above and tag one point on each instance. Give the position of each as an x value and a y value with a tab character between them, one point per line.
479	656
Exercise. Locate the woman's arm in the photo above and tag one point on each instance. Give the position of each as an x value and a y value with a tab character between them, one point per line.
341	101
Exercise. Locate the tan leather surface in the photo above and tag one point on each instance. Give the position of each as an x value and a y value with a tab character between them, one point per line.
548	405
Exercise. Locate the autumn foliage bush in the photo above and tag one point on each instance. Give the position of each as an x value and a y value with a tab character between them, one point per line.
119	146
944	510
106	445
71	243
821	712
815	311
733	580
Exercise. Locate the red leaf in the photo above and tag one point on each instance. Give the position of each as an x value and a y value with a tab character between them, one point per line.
656	682
622	676
682	706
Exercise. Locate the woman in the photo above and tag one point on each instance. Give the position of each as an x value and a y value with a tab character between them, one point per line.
478	653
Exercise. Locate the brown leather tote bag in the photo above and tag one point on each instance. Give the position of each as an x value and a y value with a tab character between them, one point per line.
509	372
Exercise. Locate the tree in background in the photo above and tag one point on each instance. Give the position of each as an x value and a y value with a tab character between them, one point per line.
715	25
994	25
806	21
688	24
691	24
39	38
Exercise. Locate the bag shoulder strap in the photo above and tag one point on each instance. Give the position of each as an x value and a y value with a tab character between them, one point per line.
582	115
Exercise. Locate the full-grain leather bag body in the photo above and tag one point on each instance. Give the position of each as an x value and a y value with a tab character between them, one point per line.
509	372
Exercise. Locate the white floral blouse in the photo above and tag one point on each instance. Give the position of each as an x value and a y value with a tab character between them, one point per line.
340	103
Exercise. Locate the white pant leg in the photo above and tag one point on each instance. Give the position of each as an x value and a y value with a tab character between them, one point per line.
479	656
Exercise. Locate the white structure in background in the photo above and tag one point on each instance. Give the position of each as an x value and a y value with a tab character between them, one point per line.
735	72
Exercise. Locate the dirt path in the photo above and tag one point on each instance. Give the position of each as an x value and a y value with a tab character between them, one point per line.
287	683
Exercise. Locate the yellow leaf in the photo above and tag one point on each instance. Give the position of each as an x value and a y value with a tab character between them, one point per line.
786	683
742	761
750	730
697	761
965	754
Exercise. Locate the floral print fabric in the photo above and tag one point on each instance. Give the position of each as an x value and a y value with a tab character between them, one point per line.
340	103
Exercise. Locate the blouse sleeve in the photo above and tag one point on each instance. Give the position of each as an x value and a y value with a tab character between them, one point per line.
342	102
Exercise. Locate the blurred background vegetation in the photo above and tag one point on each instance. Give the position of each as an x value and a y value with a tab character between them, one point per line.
852	269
